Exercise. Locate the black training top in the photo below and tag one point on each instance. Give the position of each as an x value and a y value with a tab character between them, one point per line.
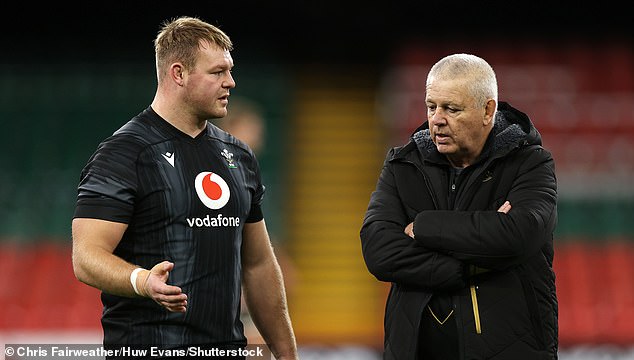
185	200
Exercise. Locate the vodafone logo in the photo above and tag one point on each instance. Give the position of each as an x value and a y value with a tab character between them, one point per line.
212	190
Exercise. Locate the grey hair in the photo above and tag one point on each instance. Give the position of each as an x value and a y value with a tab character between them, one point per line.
482	82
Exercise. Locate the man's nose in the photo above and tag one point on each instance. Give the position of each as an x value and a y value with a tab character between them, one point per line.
229	83
437	118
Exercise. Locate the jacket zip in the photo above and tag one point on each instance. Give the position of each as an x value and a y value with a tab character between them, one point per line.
476	312
474	296
433	197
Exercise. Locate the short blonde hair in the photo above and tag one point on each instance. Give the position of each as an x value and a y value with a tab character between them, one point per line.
179	40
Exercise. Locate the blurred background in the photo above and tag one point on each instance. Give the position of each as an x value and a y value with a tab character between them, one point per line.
333	86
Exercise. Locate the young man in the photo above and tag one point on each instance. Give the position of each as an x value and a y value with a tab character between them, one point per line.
168	221
461	223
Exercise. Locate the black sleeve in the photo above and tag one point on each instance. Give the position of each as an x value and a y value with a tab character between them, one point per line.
256	214
108	183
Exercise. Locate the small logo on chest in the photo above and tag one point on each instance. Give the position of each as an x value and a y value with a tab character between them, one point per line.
169	157
229	157
487	176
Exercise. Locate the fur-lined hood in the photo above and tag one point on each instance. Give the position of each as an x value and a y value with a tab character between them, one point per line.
512	128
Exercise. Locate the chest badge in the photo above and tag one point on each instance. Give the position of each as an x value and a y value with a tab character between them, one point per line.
229	157
487	176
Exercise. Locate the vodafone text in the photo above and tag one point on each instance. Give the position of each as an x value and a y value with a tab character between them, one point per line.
216	221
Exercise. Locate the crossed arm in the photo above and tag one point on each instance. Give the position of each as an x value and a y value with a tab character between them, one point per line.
446	240
505	208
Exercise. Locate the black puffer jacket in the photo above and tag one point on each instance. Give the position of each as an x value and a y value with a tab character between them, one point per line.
498	267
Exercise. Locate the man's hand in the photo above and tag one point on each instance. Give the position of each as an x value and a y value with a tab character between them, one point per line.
505	208
153	284
409	230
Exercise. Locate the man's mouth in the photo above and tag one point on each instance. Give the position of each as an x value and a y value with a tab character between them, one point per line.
441	137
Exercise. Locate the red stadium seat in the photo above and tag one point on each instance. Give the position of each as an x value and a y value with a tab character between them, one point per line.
39	290
596	292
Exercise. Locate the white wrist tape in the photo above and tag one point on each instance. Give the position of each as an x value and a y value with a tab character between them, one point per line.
133	277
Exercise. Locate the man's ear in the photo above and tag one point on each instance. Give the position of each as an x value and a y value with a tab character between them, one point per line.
489	112
176	73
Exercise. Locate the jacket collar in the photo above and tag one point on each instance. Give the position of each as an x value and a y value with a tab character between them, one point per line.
512	128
